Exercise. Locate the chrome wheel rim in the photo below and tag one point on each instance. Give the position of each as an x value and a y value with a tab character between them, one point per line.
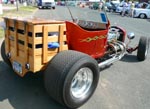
146	52
81	82
147	47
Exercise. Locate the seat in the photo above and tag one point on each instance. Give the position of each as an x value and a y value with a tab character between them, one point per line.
92	42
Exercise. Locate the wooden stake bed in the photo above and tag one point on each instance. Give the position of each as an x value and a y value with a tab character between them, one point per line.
27	40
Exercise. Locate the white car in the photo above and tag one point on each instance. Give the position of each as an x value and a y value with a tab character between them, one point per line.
142	13
120	8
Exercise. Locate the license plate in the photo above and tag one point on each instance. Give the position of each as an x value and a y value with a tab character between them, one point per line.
17	67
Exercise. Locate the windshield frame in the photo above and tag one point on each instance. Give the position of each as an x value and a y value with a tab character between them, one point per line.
89	16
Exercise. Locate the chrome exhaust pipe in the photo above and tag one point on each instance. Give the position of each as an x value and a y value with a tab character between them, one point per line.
117	56
110	61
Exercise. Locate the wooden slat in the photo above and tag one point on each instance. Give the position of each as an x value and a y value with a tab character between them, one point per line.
39	66
38	40
21	54
61	33
12	33
21	37
37	28
64	38
11	22
53	28
64	27
45	37
50	51
16	39
11	43
31	61
20	25
33	46
7	41
20	47
12	51
65	47
30	40
30	28
31	52
26	43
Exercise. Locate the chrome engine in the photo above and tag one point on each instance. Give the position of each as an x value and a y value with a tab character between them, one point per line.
116	49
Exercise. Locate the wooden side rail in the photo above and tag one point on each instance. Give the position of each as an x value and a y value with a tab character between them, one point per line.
27	41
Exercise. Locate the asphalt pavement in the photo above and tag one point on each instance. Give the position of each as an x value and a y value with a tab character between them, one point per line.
124	85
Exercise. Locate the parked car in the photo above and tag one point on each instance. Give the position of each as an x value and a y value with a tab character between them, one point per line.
119	9
142	12
61	3
94	6
110	7
97	5
71	3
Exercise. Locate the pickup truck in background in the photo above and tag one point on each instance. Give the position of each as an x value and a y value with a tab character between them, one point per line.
46	4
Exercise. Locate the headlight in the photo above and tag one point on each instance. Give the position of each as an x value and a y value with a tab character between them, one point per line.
131	35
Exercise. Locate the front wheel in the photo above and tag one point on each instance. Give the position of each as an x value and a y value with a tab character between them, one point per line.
143	48
53	7
71	78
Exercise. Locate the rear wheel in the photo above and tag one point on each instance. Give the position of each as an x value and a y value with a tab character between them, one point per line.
3	54
142	16
71	78
143	48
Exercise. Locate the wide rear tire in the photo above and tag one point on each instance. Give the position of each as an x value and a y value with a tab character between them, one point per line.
3	54
71	78
143	48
